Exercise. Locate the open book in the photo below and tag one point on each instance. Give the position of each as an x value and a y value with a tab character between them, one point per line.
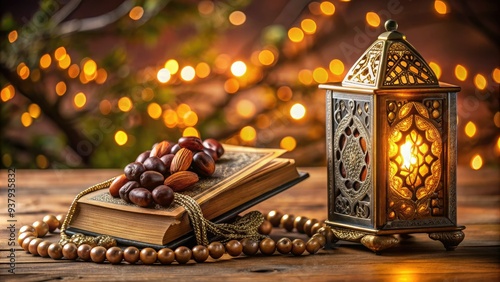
243	177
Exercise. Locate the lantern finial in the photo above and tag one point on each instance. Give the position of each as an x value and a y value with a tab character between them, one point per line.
391	25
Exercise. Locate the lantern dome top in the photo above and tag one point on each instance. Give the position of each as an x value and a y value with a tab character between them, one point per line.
391	62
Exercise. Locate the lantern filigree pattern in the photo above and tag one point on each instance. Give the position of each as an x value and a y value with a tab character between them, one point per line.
415	152
366	69
405	68
352	158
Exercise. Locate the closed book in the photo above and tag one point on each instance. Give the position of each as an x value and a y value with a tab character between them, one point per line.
244	176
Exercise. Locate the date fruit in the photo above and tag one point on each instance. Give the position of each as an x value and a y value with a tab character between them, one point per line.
167	160
134	170
126	188
215	145
143	156
155	163
114	188
181	161
203	164
181	180
192	143
141	197
150	179
163	195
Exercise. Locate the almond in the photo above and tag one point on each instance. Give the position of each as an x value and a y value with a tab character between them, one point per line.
181	161
181	180
160	149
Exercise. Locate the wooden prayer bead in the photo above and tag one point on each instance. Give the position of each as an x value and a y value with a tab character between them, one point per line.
69	251
321	239
60	218
98	254
55	251
329	236
51	221
27	228
250	247
32	247
166	256
308	226
114	255
234	248
299	223
200	253
131	254
298	247
265	228
23	236
267	246
316	227
287	222
182	254
284	246
274	217
313	246
83	252
216	250
26	243
41	228
148	256
43	249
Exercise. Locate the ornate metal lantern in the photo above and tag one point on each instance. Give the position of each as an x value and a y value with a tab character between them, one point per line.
391	148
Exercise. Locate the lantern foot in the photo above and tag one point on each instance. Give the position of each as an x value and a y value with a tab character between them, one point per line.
450	239
378	243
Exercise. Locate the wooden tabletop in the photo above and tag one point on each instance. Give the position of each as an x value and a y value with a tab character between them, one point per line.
41	192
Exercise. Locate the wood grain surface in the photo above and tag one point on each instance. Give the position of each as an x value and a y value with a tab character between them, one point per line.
418	258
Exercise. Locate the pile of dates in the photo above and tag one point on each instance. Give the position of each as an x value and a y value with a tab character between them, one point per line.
167	168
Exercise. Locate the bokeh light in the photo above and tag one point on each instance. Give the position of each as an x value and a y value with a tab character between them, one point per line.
154	110
436	69
266	57
172	66
125	104
12	36
121	137
470	129
45	61
246	108
163	75
320	75
136	13
460	72
202	70
42	162
308	26
188	73
105	107
23	71
8	92
34	110
476	162
61	88
336	67
440	7
305	77
480	82
327	8
80	100
206	7
238	68
372	19
190	131
26	119
496	75
237	18
295	34
297	111
248	133
288	143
